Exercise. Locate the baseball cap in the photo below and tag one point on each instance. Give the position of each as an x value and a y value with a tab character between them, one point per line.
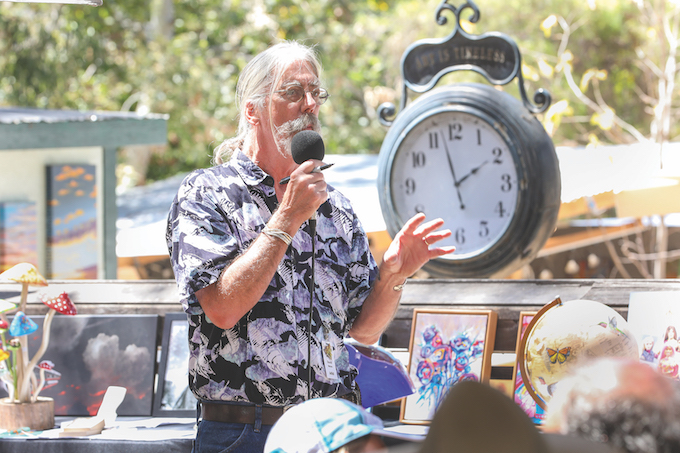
325	424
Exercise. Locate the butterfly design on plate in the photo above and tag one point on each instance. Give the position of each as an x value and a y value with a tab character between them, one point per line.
558	355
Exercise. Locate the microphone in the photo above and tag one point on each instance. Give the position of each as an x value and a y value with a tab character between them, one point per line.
307	145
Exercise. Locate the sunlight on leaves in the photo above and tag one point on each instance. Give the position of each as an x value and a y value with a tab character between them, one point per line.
565	61
530	73
592	74
548	24
553	116
546	68
604	120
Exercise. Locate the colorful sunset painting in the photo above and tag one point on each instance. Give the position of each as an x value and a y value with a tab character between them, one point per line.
71	222
18	234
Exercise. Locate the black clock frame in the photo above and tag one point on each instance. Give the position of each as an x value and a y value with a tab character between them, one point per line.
538	199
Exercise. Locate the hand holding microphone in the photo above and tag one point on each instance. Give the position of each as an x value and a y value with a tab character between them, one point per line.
307	189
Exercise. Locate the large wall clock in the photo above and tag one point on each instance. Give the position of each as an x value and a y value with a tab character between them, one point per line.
474	156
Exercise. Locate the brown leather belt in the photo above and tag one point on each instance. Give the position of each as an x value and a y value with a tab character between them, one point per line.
238	413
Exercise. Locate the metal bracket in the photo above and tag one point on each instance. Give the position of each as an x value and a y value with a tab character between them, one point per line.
493	55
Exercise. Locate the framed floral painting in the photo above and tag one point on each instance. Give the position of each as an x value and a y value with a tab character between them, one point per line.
446	347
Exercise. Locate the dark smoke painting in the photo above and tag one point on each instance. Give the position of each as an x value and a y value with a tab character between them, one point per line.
88	353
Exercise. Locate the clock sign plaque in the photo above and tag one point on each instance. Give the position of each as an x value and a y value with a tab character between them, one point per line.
470	154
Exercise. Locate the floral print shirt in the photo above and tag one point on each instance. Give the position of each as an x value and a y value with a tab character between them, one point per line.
215	216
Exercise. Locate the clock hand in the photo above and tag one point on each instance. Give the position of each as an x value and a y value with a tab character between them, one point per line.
453	173
472	172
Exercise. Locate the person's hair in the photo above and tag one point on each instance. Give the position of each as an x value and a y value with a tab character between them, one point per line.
257	82
633	426
670	329
622	402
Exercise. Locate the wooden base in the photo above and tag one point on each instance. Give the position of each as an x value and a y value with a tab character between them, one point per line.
37	416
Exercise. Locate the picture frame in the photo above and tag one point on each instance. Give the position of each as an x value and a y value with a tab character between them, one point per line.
654	320
172	396
18	233
446	347
520	394
72	242
89	353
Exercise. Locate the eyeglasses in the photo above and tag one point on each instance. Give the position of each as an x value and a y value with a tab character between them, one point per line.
295	94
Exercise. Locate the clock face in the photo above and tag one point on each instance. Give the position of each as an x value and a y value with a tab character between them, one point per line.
453	164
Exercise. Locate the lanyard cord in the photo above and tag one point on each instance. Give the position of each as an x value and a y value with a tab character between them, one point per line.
312	227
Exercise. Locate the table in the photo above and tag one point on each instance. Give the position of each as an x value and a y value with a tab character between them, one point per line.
130	434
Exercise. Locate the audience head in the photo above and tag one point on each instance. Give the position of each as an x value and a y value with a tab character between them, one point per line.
477	418
327	425
622	402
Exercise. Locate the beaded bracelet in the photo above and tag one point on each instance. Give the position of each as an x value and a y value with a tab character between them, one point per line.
280	234
398	287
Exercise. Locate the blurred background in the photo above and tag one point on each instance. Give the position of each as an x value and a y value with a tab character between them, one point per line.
610	65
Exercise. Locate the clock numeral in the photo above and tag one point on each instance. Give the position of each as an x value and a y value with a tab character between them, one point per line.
483	229
497	153
459	236
410	186
455	130
507	183
419	159
434	140
500	210
479	137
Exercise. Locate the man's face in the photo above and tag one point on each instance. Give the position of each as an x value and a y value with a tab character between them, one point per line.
287	117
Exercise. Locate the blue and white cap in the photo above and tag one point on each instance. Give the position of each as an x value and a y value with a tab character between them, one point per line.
322	425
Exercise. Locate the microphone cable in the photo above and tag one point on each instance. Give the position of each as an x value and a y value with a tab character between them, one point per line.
312	228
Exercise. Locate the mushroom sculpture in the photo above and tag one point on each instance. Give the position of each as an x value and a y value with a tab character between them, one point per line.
27	275
59	304
5	374
5	306
21	326
44	366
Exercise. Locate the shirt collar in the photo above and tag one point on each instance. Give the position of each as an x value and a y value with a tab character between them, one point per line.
251	173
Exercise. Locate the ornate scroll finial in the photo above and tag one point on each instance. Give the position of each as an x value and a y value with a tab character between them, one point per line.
493	55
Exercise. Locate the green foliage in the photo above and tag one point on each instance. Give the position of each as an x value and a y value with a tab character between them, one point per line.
118	57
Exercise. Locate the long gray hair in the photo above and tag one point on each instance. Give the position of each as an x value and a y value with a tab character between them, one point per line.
257	82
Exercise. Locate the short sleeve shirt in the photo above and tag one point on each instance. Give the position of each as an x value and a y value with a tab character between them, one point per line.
263	359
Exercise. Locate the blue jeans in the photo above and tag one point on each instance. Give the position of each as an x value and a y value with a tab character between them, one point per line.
218	437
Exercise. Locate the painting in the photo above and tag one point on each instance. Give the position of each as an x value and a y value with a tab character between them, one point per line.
18	234
72	245
173	396
654	320
520	393
446	347
88	353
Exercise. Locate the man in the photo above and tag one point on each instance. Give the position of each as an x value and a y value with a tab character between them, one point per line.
621	402
241	247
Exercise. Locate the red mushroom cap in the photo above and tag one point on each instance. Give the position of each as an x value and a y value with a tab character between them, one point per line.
4	325
46	365
61	303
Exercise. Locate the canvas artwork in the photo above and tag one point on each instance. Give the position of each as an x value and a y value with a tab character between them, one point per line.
173	396
447	346
18	234
72	250
88	353
520	394
654	319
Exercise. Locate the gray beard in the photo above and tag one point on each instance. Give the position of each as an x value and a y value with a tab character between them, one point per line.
285	132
